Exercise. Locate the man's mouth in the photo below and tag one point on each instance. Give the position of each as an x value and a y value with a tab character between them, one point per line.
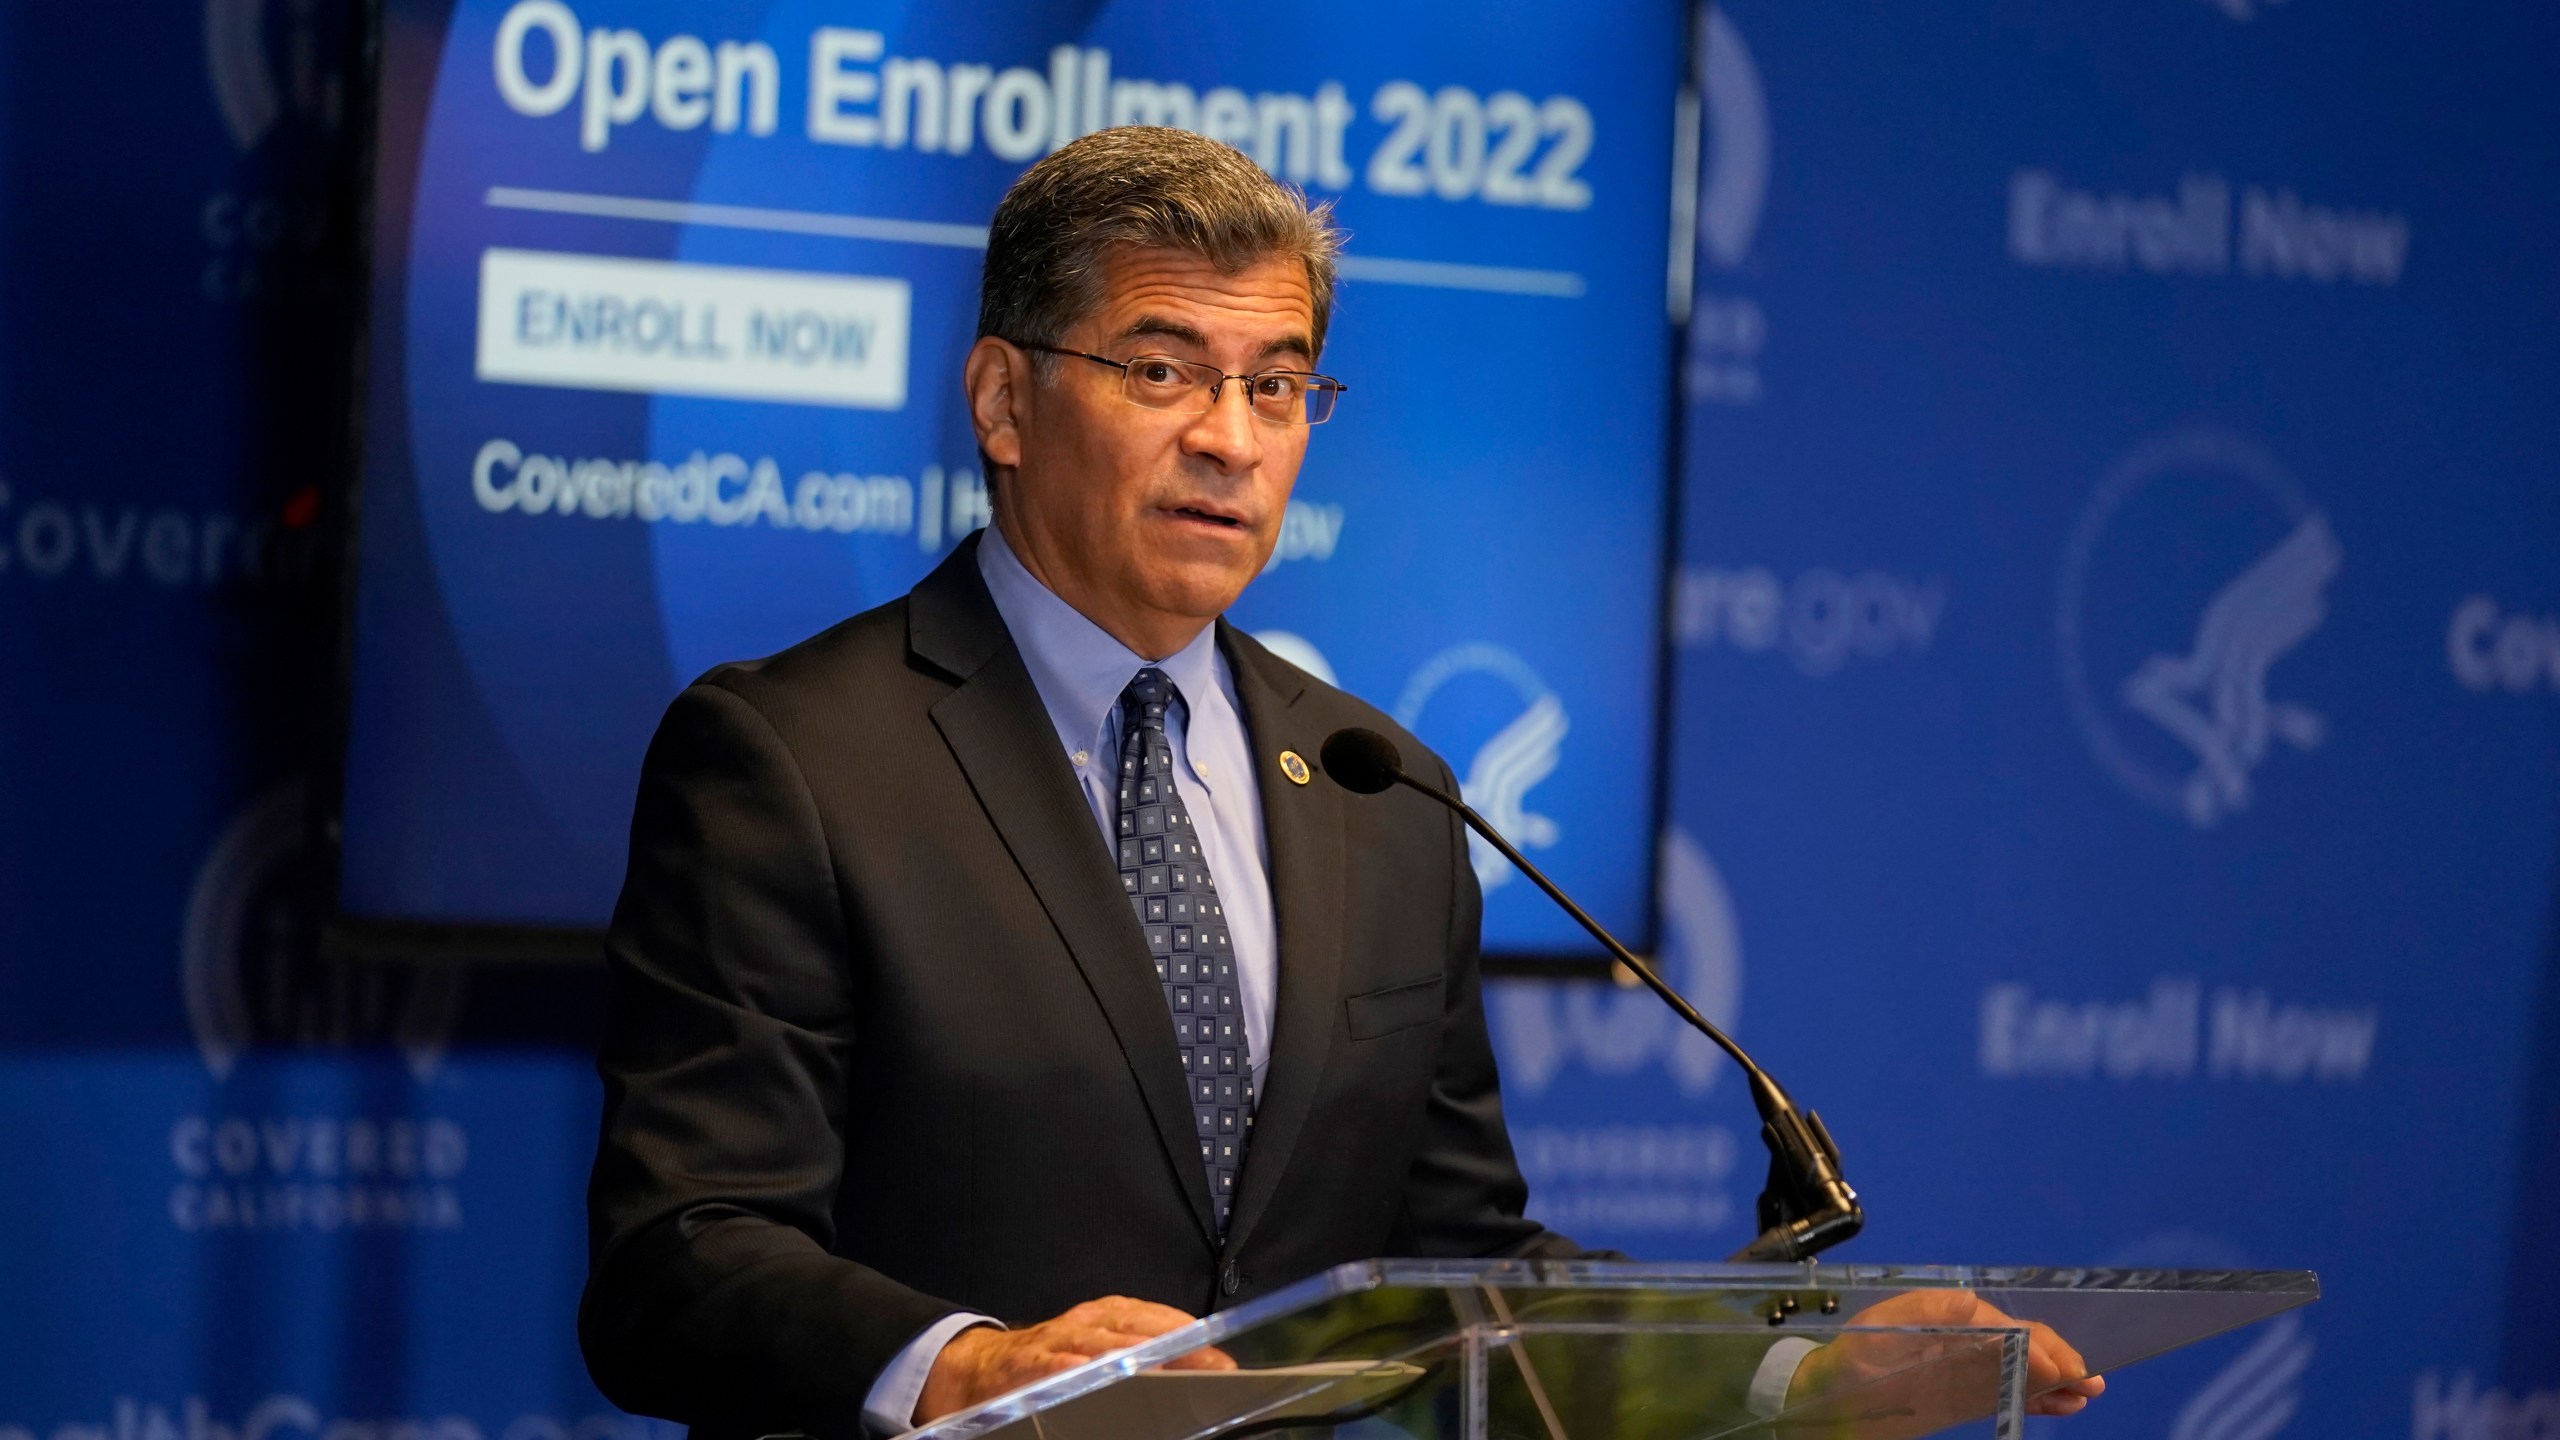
1210	517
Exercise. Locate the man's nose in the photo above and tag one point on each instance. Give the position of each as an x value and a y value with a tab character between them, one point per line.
1228	436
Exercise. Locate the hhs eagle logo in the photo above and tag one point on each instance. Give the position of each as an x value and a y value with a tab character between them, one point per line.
2256	1393
2197	567
1524	751
2214	697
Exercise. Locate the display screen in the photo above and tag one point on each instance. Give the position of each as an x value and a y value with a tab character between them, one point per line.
668	311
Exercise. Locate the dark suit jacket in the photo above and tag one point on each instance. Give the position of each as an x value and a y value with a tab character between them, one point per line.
883	1040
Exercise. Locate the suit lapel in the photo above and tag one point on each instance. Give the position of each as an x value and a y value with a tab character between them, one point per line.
1303	824
1000	734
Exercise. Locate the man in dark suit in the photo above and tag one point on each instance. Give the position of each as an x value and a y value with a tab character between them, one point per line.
991	988
886	1046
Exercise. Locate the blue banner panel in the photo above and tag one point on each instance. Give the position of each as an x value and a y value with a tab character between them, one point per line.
669	310
2119	680
380	1243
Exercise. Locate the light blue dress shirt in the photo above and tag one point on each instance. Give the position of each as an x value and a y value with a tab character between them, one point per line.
1080	670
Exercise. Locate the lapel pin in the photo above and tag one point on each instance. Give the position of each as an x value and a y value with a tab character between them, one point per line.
1293	767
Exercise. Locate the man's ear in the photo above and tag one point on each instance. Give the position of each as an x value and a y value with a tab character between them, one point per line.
997	377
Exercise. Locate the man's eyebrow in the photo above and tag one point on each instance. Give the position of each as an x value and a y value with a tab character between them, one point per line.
1150	325
1298	345
1146	325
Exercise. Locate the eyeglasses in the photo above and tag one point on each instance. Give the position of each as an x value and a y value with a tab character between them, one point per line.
1160	382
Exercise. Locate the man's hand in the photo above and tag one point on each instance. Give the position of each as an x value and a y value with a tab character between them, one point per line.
1891	1379
982	1363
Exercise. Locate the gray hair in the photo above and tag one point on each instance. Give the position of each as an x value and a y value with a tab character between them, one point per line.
1140	185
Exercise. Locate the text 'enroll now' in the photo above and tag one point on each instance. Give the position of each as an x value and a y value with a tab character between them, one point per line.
607	323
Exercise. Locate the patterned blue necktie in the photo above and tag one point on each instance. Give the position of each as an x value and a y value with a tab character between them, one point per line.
1167	880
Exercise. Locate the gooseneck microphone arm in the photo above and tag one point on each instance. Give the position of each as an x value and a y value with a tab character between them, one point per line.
1806	1206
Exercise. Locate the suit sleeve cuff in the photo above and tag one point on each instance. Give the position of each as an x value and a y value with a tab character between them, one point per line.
1768	1393
890	1408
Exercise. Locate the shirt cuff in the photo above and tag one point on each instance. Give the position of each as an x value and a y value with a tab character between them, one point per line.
1768	1393
890	1408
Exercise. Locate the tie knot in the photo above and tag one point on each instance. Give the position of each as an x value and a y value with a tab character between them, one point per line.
1147	696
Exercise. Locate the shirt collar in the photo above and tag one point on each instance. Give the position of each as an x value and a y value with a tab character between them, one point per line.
1078	667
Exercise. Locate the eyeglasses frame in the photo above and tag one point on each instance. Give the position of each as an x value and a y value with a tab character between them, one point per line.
1323	382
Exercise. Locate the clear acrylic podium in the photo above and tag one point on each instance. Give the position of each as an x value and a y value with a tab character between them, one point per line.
1518	1350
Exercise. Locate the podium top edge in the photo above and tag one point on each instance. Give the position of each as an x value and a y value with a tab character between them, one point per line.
1622	1274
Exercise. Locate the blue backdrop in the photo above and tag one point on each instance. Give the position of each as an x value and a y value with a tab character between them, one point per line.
2117	708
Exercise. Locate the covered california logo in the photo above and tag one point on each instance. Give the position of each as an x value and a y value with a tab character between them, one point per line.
1728	329
1541	1025
271	61
246	970
2198	566
1734	180
322	1151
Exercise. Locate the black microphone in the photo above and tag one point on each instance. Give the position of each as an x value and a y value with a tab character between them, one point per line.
1805	1208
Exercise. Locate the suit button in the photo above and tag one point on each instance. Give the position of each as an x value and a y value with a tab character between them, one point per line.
1230	1282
